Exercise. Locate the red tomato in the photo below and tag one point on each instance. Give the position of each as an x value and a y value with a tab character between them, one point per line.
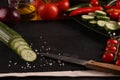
48	11
94	3
63	5
108	57
117	62
114	15
111	49
117	3
38	3
112	42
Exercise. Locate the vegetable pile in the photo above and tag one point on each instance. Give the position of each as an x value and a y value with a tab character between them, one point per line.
51	9
105	16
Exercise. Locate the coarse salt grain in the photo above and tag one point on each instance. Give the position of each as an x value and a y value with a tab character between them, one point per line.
50	64
9	65
15	63
41	37
10	61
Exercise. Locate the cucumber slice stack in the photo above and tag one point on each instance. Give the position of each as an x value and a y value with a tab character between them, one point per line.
17	43
101	19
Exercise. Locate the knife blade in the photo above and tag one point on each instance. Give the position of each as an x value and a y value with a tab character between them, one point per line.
90	64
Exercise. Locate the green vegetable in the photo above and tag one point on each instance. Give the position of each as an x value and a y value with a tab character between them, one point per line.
101	23
93	22
112	25
103	18
87	17
16	42
100	13
78	6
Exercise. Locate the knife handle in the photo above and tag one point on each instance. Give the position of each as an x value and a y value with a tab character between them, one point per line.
104	67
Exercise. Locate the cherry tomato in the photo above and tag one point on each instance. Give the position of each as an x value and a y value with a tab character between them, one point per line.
117	3
114	15
108	57
111	49
112	42
63	5
117	62
118	54
94	3
48	11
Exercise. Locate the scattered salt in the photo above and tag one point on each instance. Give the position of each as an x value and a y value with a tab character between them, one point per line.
49	49
45	42
42	47
41	37
9	65
59	61
15	63
34	66
36	50
50	64
10	61
37	53
22	67
46	62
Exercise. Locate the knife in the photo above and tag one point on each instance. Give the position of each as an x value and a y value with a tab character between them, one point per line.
90	64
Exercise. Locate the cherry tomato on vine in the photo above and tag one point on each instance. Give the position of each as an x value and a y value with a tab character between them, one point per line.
117	62
94	3
108	57
48	11
111	49
112	42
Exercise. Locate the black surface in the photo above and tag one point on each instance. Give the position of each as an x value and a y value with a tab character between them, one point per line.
65	37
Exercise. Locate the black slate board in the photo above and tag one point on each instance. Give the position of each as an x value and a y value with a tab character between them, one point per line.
62	37
96	28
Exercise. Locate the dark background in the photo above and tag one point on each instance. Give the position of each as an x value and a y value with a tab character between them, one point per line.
66	37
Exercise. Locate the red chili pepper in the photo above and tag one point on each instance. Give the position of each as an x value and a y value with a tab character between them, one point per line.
94	3
84	10
111	7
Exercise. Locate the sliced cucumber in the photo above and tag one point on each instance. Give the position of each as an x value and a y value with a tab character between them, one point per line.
87	17
18	43
111	26
93	22
105	18
28	55
101	23
21	47
118	23
100	13
91	14
12	41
